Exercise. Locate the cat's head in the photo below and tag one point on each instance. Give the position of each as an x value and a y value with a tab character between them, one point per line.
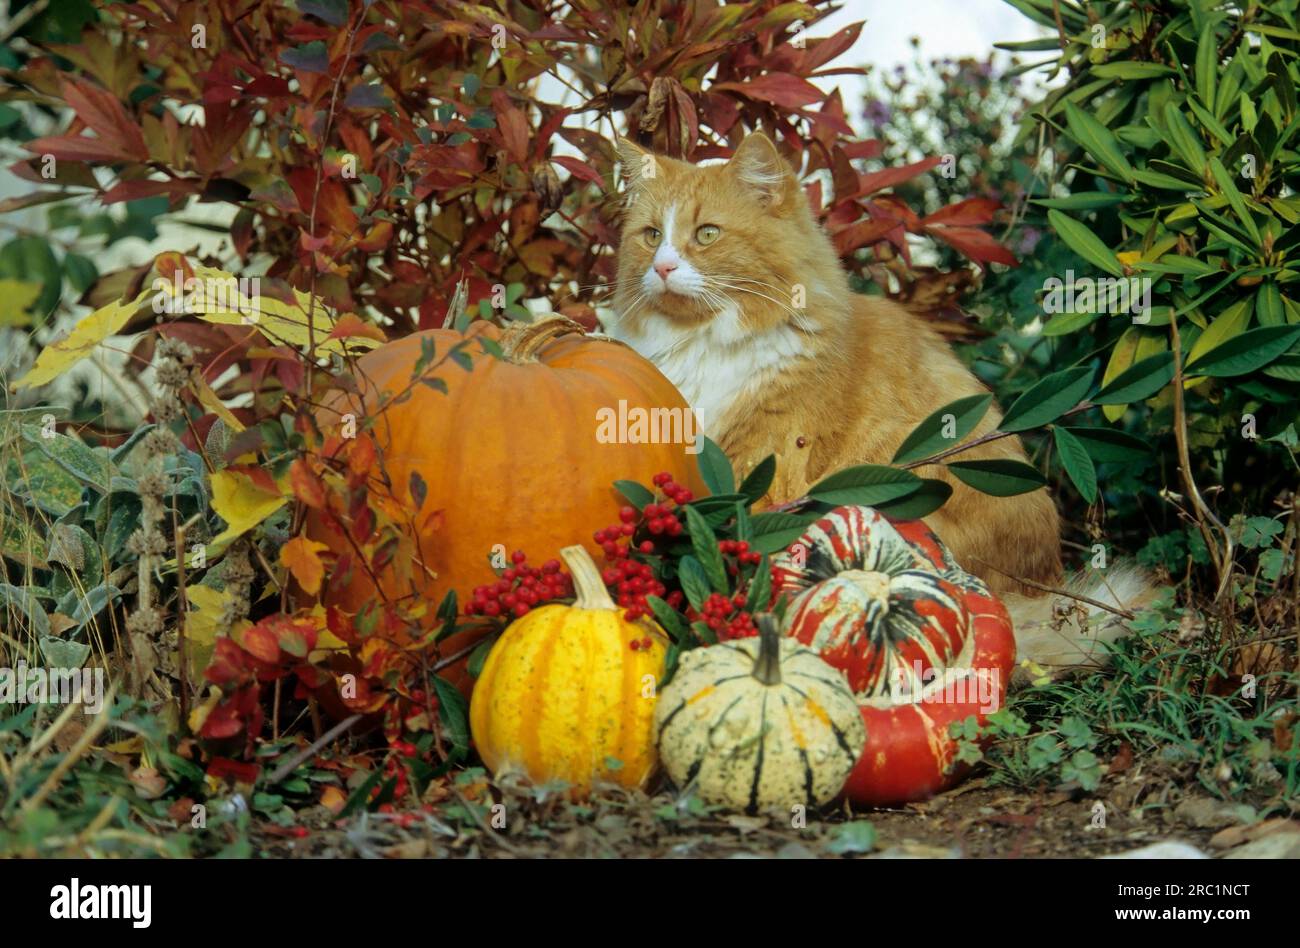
735	240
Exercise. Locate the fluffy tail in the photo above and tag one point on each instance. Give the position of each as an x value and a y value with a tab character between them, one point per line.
1056	634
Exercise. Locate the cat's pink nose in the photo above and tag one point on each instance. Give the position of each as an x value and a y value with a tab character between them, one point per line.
663	269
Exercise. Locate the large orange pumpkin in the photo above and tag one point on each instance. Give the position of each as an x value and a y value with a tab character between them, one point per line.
513	454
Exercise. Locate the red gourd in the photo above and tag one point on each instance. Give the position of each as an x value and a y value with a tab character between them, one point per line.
923	643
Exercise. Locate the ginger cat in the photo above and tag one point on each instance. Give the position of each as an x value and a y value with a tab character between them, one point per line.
709	268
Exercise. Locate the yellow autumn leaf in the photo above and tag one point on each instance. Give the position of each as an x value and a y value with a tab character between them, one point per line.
58	357
1231	322
301	556
209	400
241	503
1121	359
16	297
220	300
207	607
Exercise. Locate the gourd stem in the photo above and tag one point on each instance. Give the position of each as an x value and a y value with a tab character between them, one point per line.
590	588
767	667
521	341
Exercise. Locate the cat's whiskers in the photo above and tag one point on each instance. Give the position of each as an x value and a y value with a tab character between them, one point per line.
799	319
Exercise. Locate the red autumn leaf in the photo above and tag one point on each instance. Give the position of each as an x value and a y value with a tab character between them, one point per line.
867	148
169	262
579	169
306	486
821	51
513	125
135	190
776	88
105	116
350	325
222	767
888	177
971	212
262	643
361	458
75	148
975	244
260	477
863	233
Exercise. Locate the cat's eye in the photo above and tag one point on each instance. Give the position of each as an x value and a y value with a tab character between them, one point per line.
653	235
707	234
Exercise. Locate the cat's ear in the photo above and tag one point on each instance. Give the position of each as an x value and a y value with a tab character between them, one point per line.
637	164
759	166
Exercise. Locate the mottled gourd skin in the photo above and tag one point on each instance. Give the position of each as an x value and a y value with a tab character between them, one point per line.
563	693
752	746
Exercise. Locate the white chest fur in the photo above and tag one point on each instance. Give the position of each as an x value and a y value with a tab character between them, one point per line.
715	366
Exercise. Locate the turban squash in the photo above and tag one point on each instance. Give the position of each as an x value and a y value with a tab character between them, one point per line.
507	451
758	724
923	643
568	692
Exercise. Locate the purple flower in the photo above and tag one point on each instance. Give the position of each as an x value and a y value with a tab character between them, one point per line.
877	112
1029	238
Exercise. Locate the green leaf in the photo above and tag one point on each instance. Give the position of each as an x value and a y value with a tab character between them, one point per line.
1238	203
637	495
999	477
1207	63
94	602
669	618
1077	463
1268	305
944	428
1184	140
705	545
858	836
1085	243
1048	399
760	588
866	484
1065	323
1247	352
929	497
1138	382
79	460
716	469
1131	69
1111	444
1097	141
1082	201
453	712
694	583
757	481
773	532
22	599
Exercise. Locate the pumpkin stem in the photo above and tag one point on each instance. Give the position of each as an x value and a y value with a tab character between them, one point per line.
591	590
520	342
767	667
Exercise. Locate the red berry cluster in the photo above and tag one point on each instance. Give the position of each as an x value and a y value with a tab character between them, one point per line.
741	551
631	582
520	588
725	616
